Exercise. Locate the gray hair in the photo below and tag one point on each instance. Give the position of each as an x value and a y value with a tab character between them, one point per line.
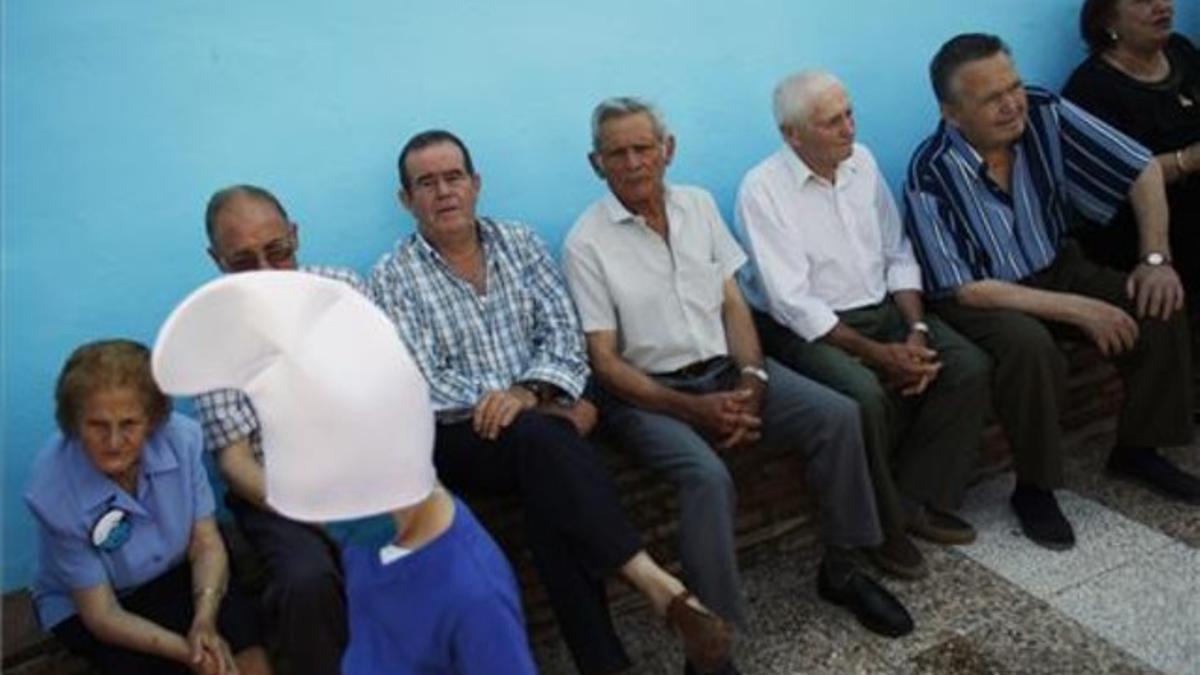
797	93
620	106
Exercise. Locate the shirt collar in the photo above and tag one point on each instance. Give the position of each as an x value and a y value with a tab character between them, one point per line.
962	148
96	489
802	173
483	226
617	213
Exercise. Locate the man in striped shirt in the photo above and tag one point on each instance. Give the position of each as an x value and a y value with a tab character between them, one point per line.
987	201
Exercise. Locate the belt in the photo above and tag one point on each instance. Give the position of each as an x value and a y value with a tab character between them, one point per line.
696	368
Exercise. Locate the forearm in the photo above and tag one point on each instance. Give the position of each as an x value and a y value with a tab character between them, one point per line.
995	294
910	305
136	633
852	342
1149	201
210	570
243	474
1178	164
109	622
740	335
632	385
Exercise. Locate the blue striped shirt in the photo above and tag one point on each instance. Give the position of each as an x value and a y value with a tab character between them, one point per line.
466	344
965	228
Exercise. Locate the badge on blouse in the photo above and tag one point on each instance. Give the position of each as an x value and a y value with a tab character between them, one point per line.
111	530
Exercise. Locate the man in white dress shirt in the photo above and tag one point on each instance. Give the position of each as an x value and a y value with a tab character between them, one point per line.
838	297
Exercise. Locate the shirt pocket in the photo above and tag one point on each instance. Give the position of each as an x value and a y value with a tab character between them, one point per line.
700	287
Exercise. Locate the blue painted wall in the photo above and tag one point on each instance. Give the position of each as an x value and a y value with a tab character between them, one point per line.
120	117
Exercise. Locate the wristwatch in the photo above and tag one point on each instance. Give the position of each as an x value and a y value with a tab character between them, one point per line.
1155	259
757	373
919	327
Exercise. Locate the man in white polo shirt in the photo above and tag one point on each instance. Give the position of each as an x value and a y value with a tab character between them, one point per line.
651	267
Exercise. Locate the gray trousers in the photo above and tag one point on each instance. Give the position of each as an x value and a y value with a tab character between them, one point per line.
921	448
1031	372
817	421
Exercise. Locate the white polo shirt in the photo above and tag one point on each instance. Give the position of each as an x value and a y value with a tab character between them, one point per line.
662	297
820	247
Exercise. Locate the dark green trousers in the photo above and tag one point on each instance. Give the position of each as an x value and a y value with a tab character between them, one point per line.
920	447
1031	371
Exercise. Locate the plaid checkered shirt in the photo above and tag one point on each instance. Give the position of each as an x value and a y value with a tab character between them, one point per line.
524	327
226	415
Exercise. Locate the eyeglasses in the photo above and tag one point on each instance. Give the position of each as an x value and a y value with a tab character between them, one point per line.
278	254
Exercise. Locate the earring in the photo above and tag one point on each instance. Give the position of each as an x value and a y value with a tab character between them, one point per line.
1112	34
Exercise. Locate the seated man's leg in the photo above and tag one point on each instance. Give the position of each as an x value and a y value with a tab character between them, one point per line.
1157	409
826	425
706	500
881	413
1028	384
1029	388
834	368
574	525
941	443
304	596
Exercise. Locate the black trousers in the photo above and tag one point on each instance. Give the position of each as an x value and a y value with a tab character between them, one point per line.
167	601
303	597
574	525
1030	372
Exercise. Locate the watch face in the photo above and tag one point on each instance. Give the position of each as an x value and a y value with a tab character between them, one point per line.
1155	259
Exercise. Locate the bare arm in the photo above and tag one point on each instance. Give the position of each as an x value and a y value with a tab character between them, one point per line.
210	573
908	366
1178	164
242	473
104	618
1108	326
740	335
631	384
1155	289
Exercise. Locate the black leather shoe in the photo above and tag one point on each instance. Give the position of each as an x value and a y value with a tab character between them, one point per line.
1041	519
874	607
1146	466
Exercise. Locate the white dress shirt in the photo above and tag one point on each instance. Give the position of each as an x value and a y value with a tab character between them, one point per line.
662	297
818	247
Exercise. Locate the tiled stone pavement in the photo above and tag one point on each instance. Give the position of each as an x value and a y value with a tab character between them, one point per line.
1126	600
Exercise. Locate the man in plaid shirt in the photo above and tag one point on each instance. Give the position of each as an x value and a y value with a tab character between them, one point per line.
487	317
248	229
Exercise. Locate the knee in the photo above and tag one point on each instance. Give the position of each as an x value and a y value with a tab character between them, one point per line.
709	481
971	369
1029	348
306	580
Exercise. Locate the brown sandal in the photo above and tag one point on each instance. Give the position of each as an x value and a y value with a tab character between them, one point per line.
706	637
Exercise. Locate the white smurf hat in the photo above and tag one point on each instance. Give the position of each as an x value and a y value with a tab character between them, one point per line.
347	426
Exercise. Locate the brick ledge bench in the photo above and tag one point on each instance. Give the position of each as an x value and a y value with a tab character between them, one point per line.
769	506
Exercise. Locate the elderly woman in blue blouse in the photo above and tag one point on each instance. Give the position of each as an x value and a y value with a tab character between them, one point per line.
131	568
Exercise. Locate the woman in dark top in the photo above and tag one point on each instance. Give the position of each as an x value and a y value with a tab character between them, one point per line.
1145	80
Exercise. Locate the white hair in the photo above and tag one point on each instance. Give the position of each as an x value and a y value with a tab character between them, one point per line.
796	95
620	106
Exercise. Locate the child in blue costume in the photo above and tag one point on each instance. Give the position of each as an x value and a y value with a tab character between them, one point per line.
439	599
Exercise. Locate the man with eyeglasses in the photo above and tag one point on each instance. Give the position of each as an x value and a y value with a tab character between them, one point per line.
248	229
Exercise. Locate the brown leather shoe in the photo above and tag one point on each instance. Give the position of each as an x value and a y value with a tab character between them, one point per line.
707	638
899	557
940	527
